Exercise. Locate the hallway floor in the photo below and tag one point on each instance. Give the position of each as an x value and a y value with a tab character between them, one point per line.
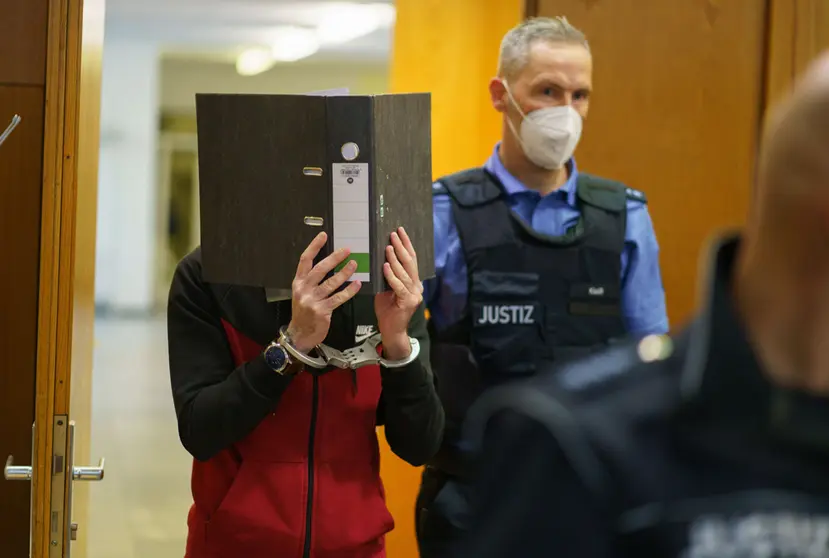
140	510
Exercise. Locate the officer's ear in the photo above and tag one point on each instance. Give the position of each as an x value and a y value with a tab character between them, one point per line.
498	94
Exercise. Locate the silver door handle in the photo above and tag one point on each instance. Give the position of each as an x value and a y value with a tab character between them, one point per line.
89	473
24	472
16	472
63	461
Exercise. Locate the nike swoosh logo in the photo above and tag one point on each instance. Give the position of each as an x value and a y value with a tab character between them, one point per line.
360	337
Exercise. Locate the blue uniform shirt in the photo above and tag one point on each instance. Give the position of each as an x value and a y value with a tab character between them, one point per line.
643	298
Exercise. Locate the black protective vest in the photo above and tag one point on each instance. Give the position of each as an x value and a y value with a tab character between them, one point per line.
532	298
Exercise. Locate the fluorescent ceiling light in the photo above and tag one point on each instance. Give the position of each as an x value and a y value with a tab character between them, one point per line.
344	22
290	44
254	61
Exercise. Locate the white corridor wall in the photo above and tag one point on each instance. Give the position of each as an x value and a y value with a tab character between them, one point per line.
125	255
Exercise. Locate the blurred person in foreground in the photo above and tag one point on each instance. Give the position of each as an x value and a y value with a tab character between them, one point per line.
710	443
536	261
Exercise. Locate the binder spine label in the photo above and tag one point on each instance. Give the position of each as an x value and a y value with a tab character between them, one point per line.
351	215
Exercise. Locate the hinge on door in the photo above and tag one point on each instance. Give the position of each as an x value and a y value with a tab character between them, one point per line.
60	447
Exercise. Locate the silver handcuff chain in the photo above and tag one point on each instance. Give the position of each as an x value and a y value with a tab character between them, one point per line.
364	354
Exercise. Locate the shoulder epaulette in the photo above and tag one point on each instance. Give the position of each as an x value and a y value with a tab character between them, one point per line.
469	188
601	192
636	195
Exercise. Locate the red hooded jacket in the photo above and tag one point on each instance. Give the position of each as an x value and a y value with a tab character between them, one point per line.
286	467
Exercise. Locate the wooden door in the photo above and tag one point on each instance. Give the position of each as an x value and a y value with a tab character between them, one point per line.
22	83
48	173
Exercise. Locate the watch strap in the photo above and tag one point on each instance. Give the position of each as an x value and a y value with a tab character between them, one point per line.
288	363
285	343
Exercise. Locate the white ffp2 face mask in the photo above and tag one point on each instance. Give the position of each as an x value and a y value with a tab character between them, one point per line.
548	136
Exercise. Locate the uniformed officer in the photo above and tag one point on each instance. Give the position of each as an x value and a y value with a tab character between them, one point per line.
711	443
535	261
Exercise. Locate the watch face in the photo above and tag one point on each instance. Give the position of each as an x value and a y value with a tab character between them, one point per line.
276	357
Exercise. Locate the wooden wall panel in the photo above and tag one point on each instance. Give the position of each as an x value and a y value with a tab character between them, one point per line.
676	110
450	49
20	178
780	49
811	31
23	42
798	31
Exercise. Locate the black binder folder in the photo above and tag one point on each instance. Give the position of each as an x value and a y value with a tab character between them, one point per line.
275	170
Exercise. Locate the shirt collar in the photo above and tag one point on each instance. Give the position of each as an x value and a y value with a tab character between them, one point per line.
513	186
724	380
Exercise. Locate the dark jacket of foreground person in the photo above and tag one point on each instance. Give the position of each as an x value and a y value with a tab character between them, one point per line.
675	446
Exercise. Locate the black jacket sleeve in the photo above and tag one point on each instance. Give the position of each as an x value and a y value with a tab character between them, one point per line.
409	406
528	501
217	403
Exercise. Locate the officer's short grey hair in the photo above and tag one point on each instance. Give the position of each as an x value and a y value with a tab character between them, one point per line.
516	44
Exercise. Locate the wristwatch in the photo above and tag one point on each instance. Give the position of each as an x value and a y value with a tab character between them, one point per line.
277	358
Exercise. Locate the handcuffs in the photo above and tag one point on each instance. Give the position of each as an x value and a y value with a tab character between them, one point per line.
364	354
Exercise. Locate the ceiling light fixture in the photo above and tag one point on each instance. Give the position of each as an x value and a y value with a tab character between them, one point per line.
344	22
254	61
290	44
